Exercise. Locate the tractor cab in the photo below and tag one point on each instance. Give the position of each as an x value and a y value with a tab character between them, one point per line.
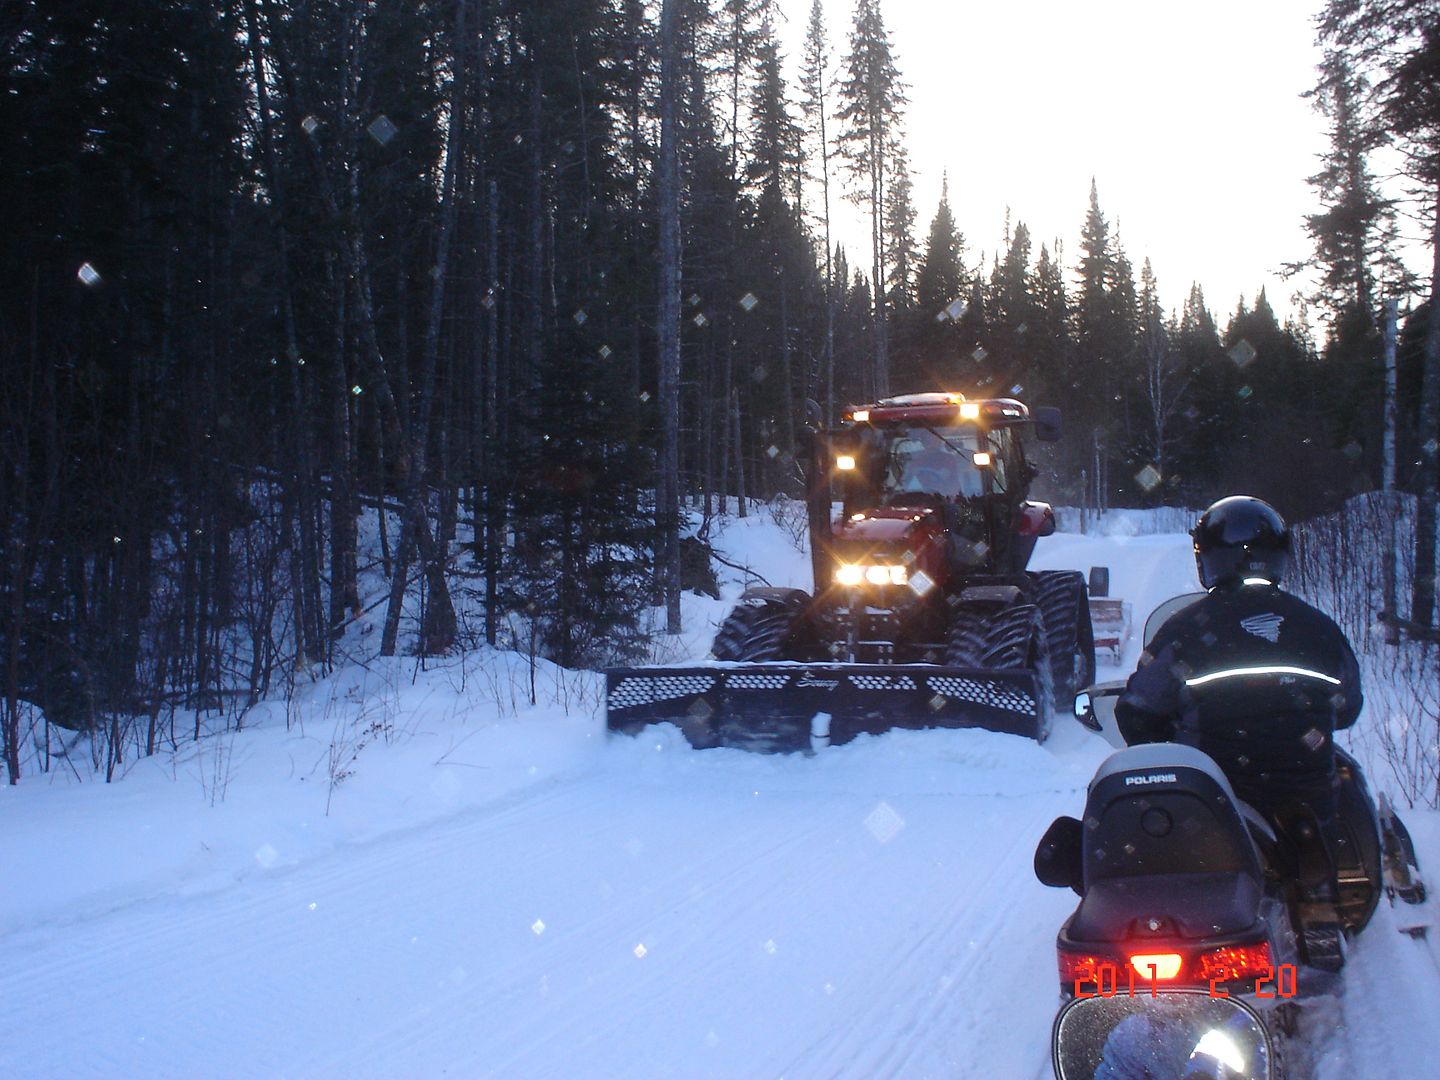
955	468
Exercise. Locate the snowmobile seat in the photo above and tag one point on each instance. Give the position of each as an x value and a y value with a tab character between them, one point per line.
1165	835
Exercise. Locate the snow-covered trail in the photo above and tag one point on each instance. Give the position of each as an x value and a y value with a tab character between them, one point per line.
635	908
667	914
1145	571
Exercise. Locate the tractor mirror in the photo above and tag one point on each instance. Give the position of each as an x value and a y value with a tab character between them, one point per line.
1047	423
1057	856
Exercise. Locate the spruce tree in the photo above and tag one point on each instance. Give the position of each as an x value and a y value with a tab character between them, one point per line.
1397	44
815	84
872	96
940	279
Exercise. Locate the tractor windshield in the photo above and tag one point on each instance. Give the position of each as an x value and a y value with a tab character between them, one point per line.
932	460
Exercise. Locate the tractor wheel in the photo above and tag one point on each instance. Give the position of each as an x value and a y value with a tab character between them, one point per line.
1007	639
965	646
1060	596
1015	638
756	633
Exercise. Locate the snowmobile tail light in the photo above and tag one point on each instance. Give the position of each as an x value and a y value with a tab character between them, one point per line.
850	576
1080	966
1156	966
845	462
981	458
970	410
1234	962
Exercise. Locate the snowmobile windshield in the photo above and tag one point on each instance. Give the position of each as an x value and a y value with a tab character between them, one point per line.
933	461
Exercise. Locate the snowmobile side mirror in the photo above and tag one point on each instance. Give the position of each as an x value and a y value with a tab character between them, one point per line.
1058	855
1047	423
1095	709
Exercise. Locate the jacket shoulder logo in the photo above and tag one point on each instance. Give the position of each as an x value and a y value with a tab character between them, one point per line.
1265	625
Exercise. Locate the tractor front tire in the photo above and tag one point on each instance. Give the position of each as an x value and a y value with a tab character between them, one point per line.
756	633
1007	639
966	643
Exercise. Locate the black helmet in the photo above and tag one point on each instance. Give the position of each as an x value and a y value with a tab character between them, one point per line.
1241	537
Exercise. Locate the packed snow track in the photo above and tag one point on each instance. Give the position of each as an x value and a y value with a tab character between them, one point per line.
639	909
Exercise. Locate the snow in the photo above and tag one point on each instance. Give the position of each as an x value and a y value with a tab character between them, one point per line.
413	871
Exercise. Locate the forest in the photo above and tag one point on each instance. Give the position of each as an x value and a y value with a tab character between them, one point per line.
536	288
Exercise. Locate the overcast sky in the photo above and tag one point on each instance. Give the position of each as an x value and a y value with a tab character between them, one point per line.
1188	116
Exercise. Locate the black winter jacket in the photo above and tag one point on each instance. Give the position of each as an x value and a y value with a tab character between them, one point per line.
1259	680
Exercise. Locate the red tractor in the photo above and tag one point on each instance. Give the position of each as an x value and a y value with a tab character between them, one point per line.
923	614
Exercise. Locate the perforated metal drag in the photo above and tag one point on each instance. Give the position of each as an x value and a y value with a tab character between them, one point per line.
770	707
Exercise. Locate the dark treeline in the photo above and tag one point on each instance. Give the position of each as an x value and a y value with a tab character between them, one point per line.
281	274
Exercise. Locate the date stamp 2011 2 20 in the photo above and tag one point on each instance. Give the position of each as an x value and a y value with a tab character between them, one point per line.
1281	982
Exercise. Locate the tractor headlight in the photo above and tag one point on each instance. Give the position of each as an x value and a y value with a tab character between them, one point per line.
851	575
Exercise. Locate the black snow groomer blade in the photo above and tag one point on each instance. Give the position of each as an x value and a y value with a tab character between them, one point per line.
787	707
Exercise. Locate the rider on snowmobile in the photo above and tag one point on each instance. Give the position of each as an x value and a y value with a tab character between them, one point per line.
1254	677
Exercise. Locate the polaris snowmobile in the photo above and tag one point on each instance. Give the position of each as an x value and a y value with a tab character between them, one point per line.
1192	948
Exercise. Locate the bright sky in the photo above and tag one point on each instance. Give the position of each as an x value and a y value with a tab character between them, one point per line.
1188	116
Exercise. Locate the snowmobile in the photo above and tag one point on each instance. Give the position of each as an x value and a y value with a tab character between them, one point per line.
1192	918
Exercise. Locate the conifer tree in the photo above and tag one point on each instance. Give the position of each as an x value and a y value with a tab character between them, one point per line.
940	279
1166	384
872	96
1397	43
815	80
1352	235
1050	344
900	236
1012	308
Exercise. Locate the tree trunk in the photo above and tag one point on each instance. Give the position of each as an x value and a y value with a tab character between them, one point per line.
1422	600
439	626
668	330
